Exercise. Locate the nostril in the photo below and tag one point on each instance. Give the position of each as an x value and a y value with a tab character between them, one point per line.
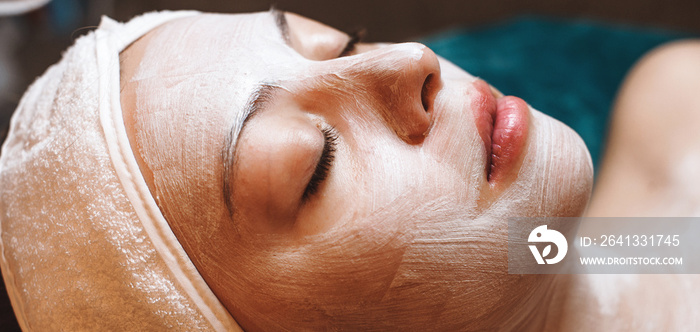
426	95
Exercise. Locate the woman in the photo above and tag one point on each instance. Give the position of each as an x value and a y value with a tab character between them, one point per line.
266	171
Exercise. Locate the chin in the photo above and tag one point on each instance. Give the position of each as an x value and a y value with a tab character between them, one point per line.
557	170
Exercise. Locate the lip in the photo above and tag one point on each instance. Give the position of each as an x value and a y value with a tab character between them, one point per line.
502	123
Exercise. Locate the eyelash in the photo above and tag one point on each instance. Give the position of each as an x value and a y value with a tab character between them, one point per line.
355	38
324	163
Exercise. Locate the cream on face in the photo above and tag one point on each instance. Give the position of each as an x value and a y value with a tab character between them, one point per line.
405	228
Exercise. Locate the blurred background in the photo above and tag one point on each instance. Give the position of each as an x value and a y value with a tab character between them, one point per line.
32	38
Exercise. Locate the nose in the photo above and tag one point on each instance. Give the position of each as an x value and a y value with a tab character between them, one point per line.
402	81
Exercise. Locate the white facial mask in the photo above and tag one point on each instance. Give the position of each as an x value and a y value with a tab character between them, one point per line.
427	245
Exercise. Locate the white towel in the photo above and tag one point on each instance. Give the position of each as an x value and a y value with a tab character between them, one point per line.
84	245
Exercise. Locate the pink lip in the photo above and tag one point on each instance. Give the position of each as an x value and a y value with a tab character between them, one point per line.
502	124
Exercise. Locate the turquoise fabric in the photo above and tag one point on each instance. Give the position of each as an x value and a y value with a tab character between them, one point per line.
570	70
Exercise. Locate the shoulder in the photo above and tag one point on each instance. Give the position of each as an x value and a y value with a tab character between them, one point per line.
653	148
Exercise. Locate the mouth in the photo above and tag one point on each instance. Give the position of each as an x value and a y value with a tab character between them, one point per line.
502	123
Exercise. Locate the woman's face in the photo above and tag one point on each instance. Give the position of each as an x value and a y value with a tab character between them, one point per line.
316	184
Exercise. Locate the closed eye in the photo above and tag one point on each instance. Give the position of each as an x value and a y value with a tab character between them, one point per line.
325	162
355	37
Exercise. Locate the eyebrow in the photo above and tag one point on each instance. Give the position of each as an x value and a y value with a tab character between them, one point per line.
257	102
282	24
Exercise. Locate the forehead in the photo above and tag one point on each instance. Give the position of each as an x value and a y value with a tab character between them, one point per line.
218	47
219	33
210	61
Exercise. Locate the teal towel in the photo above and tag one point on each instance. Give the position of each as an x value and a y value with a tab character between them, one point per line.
570	70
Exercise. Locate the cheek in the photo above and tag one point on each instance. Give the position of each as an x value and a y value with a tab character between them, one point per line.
456	269
448	165
388	171
417	261
334	279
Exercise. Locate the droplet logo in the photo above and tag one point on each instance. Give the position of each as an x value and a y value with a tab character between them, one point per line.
543	235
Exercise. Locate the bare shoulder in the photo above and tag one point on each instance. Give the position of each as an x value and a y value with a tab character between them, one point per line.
652	162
